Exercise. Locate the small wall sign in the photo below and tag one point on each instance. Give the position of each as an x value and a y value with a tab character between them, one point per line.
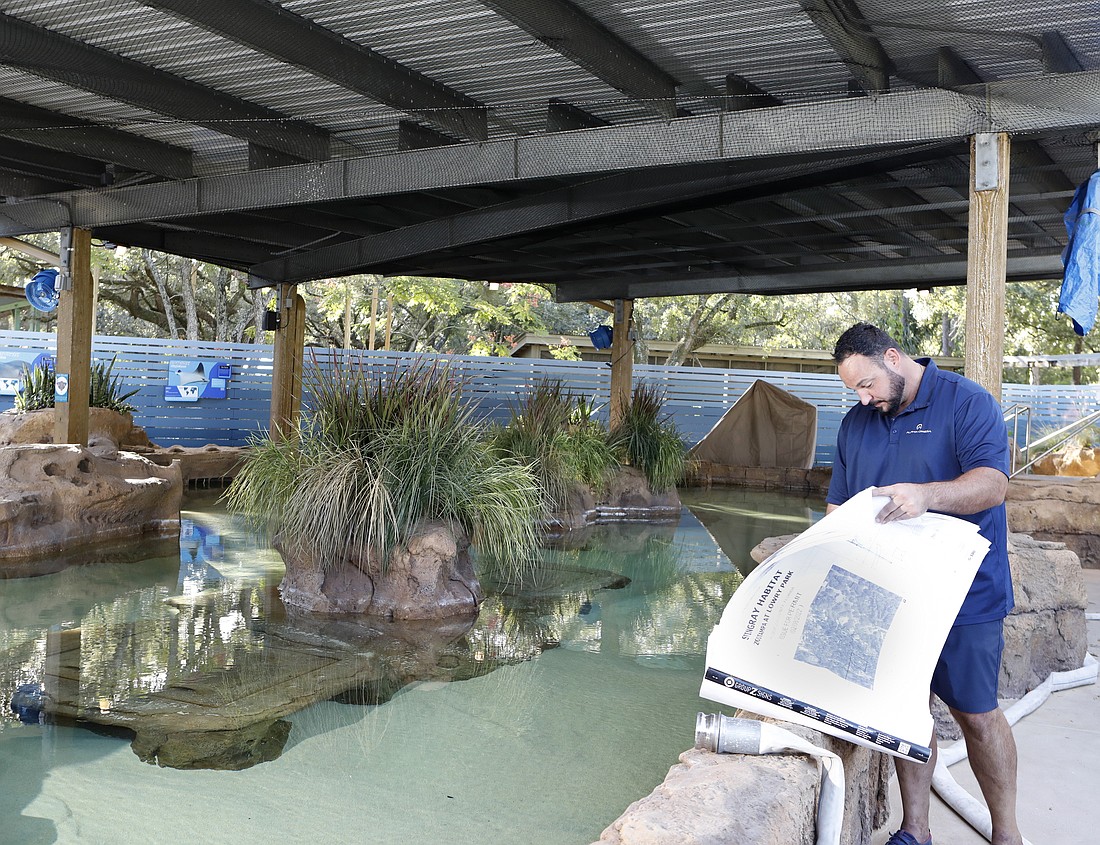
194	379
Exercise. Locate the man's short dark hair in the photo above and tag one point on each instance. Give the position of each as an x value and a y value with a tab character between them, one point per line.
863	339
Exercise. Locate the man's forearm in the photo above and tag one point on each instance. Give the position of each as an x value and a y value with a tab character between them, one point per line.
973	491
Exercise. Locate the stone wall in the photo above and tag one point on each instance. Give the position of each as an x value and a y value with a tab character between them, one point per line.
793	479
1063	509
730	799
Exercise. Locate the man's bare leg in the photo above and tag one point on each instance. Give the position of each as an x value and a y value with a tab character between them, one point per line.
992	752
915	784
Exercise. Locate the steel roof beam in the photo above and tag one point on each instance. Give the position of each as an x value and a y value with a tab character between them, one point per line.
845	28
627	194
742	94
564	117
897	274
1058	56
953	71
48	54
768	136
217	249
291	38
64	168
66	134
16	184
565	28
414	136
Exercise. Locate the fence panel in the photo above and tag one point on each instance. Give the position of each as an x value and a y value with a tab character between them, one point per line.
696	397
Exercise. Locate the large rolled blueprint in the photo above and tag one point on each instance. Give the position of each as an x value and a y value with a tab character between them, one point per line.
840	629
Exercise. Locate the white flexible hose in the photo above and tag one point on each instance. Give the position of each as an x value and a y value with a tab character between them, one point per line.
958	799
726	734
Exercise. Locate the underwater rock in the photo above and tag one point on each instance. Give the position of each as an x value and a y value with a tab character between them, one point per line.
259	742
233	718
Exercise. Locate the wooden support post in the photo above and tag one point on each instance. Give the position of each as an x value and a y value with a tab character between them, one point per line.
622	360
286	382
389	321
986	260
347	314
74	344
373	316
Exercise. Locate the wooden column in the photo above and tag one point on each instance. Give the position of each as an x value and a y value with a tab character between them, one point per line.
286	381
622	360
74	344
986	259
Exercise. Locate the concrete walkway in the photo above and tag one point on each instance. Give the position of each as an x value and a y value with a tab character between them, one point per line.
1059	769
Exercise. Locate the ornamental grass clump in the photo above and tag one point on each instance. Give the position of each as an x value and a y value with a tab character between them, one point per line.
646	438
557	433
377	456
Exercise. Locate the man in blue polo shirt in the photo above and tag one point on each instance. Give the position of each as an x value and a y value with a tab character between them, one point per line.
934	441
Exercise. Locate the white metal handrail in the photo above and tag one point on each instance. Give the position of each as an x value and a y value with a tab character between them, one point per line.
1013	414
1058	438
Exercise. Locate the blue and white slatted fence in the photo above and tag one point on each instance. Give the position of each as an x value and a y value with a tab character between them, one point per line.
696	397
142	364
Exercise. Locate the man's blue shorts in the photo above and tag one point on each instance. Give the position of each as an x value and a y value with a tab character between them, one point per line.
969	666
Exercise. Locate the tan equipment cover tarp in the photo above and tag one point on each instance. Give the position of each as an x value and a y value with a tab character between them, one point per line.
766	427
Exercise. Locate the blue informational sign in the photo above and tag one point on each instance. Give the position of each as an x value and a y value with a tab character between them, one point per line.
61	388
195	379
12	365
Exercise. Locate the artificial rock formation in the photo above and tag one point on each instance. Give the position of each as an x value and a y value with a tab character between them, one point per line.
202	463
108	431
1065	510
715	799
1046	631
428	577
54	500
627	498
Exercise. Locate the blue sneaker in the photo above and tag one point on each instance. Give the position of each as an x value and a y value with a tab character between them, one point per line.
904	837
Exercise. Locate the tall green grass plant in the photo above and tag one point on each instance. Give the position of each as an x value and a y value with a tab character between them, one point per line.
378	455
647	438
557	433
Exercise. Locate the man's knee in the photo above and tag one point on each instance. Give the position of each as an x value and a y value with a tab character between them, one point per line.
980	726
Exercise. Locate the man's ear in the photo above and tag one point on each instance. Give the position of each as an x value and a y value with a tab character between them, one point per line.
891	358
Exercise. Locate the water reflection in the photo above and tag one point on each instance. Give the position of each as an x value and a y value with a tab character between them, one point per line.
738	518
194	656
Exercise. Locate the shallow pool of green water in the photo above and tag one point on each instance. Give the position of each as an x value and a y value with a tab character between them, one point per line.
540	724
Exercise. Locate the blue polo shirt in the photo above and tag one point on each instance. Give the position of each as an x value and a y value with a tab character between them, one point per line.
952	426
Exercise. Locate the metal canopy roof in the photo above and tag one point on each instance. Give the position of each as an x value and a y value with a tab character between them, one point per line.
616	148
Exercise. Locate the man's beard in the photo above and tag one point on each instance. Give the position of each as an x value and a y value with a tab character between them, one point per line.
893	399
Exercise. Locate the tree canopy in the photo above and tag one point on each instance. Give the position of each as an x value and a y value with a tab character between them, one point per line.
143	293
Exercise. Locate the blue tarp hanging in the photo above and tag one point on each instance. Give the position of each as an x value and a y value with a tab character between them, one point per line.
1081	282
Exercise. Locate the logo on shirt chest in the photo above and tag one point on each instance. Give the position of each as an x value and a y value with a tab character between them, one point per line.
919	428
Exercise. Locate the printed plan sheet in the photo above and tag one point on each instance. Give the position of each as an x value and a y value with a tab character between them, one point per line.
841	628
